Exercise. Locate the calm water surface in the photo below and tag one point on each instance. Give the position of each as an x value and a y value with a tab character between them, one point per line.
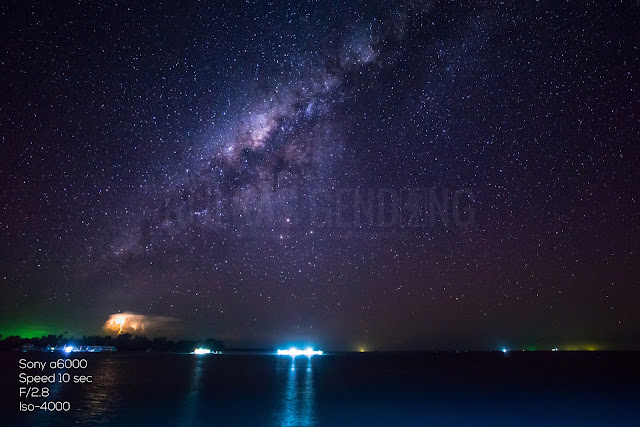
341	389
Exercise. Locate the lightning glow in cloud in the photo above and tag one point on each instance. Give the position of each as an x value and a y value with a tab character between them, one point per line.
135	323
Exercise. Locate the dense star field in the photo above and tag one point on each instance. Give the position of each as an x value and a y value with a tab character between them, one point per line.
397	175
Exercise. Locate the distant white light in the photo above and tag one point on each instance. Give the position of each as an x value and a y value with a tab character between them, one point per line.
504	350
293	352
68	349
554	349
201	351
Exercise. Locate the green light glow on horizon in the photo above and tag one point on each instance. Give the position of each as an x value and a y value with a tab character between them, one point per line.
28	331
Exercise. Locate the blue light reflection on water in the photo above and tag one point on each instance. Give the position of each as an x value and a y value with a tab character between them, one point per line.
259	389
298	395
191	402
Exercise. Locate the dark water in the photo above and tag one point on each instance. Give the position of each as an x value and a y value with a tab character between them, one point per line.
371	388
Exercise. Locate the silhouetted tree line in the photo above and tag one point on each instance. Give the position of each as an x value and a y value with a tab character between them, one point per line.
123	342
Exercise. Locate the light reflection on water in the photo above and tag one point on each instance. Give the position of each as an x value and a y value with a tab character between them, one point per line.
91	403
125	390
189	416
101	400
297	397
175	389
40	417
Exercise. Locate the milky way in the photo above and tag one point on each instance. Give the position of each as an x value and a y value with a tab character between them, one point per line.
282	145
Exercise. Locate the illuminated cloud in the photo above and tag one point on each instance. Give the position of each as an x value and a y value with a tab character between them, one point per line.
132	323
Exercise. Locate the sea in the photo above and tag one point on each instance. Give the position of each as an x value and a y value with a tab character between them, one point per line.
389	389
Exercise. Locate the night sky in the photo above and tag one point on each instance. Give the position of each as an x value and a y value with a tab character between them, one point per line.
199	165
